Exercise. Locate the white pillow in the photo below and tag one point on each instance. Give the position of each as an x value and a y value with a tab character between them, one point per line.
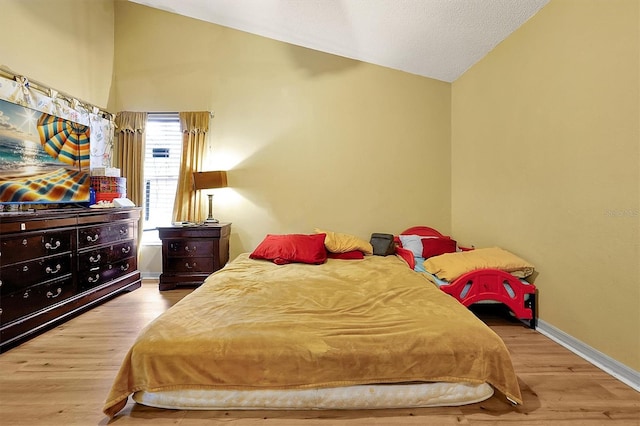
413	243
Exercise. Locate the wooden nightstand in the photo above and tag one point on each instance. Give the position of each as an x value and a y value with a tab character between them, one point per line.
191	253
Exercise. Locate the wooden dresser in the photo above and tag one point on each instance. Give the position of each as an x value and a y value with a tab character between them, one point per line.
191	253
55	263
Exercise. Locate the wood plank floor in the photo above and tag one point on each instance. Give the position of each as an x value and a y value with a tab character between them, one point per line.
63	376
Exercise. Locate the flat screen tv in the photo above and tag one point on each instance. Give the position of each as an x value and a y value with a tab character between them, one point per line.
44	159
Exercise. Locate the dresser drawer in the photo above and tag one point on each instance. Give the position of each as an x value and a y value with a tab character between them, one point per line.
190	264
105	273
189	248
26	274
19	248
32	299
90	236
105	255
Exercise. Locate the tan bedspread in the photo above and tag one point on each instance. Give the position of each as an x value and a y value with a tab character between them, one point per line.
450	266
257	325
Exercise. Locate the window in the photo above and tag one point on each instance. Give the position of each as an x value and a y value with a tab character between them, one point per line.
161	167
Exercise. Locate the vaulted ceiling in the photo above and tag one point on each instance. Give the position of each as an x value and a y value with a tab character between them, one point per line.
438	39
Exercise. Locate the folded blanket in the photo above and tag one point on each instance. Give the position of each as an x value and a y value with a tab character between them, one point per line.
450	266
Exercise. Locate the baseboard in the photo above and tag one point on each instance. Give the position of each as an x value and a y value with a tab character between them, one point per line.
609	365
149	275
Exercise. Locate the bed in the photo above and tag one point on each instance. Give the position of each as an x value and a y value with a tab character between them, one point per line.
361	333
471	276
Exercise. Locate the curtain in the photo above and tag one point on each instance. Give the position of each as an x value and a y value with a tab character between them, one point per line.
188	205
129	155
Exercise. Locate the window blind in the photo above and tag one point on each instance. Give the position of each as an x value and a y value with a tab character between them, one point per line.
161	166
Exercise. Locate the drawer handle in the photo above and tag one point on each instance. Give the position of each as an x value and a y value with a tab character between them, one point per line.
49	246
94	259
190	249
94	239
124	267
188	266
48	270
24	242
124	231
25	268
94	280
126	250
53	296
25	295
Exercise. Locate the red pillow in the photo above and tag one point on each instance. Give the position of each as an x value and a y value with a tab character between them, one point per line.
437	246
282	249
349	255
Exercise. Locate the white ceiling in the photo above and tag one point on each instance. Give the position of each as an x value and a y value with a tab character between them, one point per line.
439	39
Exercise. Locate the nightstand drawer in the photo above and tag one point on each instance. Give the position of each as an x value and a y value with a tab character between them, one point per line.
192	264
189	248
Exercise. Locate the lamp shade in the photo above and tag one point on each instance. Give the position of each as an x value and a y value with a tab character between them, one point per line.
210	180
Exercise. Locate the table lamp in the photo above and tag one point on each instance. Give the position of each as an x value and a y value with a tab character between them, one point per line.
210	180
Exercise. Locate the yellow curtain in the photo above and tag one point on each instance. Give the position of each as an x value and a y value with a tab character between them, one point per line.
188	205
129	155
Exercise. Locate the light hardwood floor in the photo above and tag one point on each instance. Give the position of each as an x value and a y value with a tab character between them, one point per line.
63	376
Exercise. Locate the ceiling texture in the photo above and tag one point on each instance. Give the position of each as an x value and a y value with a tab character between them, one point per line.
439	39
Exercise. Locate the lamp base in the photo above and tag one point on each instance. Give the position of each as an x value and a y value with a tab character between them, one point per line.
210	219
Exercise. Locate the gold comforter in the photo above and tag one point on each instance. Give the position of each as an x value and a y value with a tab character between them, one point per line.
257	325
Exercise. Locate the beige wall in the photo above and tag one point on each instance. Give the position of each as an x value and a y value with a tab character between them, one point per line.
546	163
64	44
311	139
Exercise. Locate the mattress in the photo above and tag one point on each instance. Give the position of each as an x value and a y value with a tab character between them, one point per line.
361	397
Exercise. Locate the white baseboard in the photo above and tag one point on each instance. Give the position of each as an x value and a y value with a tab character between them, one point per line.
609	365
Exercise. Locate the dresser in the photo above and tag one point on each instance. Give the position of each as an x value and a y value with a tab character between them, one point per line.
56	263
191	253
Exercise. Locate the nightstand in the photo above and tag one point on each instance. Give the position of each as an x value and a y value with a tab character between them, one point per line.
191	253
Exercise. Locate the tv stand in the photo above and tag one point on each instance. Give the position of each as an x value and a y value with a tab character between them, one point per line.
56	264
